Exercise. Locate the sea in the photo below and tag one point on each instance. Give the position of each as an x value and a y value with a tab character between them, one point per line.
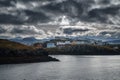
70	67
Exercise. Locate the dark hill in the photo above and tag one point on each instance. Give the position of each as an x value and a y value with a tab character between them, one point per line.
13	45
13	52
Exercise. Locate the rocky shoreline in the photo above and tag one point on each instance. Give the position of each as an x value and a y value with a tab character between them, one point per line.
17	60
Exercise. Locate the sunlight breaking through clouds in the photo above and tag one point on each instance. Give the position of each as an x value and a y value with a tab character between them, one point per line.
45	18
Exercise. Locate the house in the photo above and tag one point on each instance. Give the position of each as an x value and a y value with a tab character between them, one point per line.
62	43
80	42
67	42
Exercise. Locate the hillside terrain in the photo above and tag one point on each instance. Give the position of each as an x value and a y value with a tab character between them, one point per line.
13	45
84	50
13	52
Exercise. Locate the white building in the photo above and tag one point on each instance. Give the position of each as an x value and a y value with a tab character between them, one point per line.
67	42
63	43
60	43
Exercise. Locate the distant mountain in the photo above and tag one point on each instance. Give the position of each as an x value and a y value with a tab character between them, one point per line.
29	39
26	41
102	39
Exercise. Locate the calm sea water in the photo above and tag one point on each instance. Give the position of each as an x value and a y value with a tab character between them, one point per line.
70	68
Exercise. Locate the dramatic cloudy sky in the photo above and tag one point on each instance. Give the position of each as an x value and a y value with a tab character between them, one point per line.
45	18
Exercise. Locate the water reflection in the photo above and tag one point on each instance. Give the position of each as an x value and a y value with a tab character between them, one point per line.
70	68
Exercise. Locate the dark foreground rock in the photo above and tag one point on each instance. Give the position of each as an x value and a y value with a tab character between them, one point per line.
16	60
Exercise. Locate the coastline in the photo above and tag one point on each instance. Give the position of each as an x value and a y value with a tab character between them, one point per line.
18	60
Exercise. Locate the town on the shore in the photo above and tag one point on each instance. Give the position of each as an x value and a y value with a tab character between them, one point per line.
64	42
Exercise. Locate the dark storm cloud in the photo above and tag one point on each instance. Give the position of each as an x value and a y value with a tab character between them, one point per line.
47	10
35	16
52	12
100	14
7	2
70	8
106	32
104	1
112	10
73	30
23	17
18	12
7	18
26	30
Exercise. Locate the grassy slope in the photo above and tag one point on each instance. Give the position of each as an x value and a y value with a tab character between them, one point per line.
13	45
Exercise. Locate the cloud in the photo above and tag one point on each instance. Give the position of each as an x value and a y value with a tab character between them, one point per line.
74	29
35	16
20	30
96	17
2	30
90	29
43	11
103	14
20	6
70	30
80	29
7	2
26	30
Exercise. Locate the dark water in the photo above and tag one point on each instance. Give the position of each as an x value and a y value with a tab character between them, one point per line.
70	68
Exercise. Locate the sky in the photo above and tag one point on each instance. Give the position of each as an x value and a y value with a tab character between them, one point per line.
49	18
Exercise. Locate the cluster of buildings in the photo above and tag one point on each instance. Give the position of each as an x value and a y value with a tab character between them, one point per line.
63	43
